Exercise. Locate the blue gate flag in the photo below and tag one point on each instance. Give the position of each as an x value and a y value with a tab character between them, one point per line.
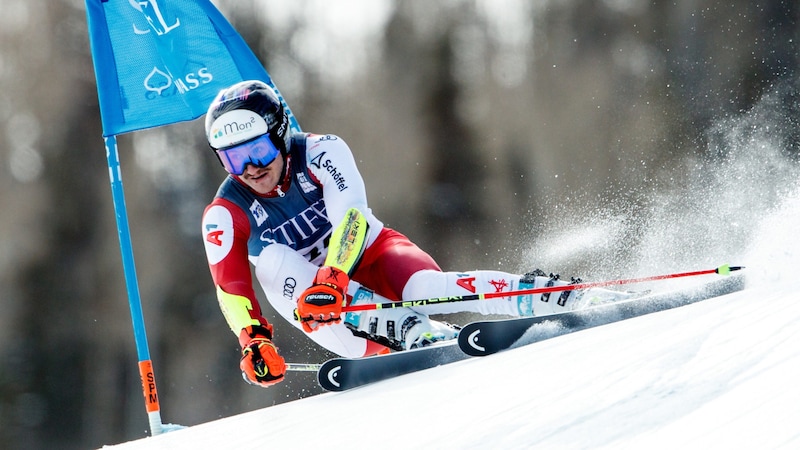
159	62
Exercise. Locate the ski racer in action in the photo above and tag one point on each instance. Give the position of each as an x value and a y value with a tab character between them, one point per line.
295	207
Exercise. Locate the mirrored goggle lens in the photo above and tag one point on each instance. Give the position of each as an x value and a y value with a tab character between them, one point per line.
259	152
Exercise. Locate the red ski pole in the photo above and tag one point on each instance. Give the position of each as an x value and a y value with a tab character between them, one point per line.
721	270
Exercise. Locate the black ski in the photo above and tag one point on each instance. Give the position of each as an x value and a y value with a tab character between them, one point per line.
341	374
488	337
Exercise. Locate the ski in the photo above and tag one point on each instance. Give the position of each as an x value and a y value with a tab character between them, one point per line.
341	374
488	337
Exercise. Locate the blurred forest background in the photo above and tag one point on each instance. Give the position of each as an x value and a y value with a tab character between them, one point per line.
502	134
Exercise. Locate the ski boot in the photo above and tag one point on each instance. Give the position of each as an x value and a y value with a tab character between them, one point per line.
548	302
561	301
397	328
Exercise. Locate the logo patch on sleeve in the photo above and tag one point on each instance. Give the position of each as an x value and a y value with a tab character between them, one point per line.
258	212
217	233
306	185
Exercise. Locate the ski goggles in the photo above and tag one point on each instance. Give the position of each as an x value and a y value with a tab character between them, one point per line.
259	152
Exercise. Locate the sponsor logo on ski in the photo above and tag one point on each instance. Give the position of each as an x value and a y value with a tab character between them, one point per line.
472	340
332	376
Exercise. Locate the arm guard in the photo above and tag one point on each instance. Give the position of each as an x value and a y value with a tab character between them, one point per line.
348	241
238	310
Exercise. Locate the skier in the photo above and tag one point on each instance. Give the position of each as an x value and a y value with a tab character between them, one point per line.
295	207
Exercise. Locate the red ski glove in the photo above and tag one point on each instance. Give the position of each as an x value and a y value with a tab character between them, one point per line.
261	364
321	304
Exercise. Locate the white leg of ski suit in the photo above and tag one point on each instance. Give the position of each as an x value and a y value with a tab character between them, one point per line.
431	284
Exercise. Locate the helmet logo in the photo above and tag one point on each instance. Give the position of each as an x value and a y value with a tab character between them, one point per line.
235	127
284	123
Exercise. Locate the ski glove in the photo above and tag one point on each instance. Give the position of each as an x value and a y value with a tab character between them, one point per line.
321	304
261	364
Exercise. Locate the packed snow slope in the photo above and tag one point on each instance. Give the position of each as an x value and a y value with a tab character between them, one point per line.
718	374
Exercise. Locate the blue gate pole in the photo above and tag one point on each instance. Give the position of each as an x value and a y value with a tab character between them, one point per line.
134	300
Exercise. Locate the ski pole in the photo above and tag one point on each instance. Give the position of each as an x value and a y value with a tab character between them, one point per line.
722	270
303	367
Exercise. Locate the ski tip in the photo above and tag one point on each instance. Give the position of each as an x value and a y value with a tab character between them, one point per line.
726	269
